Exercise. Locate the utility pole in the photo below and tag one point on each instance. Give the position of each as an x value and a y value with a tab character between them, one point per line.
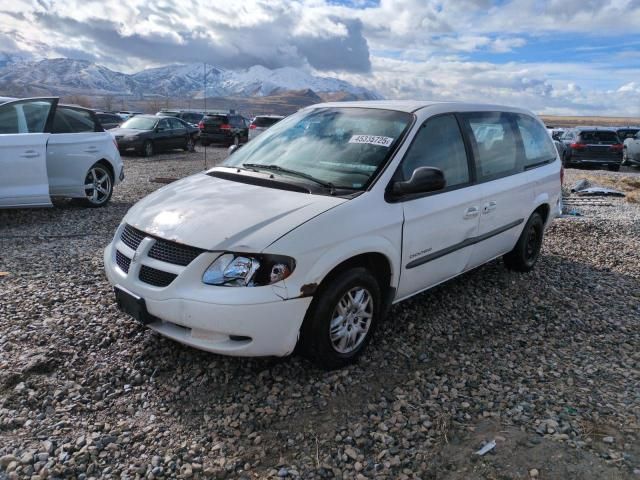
205	109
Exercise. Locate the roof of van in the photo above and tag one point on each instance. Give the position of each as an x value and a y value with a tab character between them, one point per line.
411	106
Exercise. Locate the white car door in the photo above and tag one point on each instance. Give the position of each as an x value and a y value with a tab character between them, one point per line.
508	192
439	228
23	150
73	148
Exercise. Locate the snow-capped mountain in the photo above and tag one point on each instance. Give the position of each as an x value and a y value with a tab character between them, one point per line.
62	76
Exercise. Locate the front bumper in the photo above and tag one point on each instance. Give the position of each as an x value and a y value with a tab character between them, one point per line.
240	321
127	145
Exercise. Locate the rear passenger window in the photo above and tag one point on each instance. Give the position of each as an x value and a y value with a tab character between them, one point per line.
496	150
67	120
439	144
538	147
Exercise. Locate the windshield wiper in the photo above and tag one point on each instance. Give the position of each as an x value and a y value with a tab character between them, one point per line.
277	168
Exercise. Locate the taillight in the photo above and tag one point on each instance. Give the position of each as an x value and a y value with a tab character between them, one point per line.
577	146
225	126
252	126
201	125
617	147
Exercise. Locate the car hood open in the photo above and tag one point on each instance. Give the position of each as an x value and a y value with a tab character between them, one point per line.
220	214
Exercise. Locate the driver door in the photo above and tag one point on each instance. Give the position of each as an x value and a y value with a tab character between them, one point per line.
24	180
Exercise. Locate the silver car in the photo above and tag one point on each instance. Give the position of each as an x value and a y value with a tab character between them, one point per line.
261	122
50	150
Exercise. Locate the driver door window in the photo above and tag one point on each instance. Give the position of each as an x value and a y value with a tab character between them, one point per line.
439	144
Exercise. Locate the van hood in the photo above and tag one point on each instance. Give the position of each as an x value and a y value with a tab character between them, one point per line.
218	214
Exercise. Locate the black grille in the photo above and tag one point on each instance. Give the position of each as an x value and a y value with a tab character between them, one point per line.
154	277
132	237
123	261
175	253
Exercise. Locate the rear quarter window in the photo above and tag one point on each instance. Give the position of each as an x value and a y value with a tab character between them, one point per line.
538	147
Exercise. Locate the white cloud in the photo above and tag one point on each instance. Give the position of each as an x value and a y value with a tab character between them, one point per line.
402	48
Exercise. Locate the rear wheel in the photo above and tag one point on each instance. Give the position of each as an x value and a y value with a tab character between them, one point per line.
98	186
525	254
342	318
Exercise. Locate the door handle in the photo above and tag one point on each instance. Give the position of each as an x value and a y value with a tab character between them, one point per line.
488	207
471	212
30	154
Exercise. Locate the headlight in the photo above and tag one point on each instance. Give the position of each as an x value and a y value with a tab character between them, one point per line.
131	138
240	270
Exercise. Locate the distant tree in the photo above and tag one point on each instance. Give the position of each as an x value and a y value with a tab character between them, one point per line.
79	100
107	101
154	104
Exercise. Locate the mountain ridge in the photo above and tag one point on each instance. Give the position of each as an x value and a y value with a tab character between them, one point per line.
65	76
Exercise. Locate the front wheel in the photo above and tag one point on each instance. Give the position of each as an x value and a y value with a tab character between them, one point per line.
342	318
98	186
147	148
525	254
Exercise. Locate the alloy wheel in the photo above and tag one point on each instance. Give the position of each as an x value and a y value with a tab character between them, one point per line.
351	320
98	185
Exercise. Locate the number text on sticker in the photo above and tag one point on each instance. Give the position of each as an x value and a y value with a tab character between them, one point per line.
372	140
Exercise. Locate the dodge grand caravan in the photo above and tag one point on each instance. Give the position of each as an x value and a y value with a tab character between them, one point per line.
305	236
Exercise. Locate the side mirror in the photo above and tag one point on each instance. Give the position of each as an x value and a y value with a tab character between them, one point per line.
159	129
232	149
423	180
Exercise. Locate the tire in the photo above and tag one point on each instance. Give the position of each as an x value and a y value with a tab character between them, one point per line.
101	181
341	294
188	145
614	168
147	148
524	255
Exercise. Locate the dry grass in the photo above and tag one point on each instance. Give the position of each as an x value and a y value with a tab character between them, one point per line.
629	185
570	121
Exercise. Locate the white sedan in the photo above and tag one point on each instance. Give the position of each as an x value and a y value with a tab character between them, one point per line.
50	150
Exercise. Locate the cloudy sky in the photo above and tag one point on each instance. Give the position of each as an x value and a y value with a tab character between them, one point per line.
554	56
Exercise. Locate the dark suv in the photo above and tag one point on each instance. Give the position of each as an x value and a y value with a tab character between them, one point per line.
592	147
228	129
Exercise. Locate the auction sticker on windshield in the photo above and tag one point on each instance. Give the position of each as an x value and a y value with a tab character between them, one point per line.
372	140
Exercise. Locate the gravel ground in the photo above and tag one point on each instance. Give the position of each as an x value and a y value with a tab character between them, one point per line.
546	364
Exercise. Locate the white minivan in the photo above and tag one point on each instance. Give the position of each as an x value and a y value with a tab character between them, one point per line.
305	236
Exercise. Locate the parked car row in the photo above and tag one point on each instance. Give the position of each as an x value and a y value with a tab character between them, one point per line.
607	147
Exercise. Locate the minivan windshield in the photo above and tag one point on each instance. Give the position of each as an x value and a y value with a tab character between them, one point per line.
140	123
343	147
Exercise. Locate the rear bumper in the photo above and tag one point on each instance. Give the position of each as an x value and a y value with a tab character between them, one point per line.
216	137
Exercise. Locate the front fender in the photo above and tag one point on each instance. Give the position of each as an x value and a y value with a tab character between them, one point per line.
335	255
